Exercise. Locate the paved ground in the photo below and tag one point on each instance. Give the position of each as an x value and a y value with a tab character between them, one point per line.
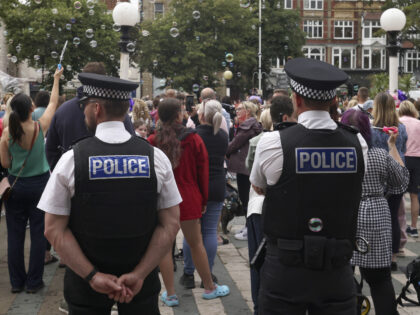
231	267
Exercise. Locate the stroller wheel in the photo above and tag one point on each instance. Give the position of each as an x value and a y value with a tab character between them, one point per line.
365	307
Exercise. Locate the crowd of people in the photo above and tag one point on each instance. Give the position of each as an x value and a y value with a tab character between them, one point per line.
187	152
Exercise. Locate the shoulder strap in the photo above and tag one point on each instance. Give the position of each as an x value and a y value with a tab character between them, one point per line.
29	153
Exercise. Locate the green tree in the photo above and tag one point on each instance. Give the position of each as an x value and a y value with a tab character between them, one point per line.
36	33
189	45
405	83
378	83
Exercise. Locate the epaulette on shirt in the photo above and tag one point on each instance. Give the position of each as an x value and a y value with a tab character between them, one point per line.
352	129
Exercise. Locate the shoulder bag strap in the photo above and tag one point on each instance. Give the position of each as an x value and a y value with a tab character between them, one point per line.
29	153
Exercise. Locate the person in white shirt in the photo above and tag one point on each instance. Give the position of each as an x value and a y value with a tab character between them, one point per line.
308	223
111	208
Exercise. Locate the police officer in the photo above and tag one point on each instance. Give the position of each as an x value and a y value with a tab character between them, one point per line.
312	176
111	208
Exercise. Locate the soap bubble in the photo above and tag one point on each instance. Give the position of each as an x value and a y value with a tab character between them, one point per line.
197	38
253	27
10	41
59	29
162	82
90	4
103	26
54	11
38	1
174	32
238	74
116	27
37	57
5	33
223	63
89	33
48	35
73	20
196	15
223	21
229	57
77	5
68	27
131	47
54	54
111	57
18	48
195	87
93	43
76	41
205	78
315	225
155	63
91	12
13	59
55	41
245	3
145	33
231	64
9	56
68	67
174	24
30	30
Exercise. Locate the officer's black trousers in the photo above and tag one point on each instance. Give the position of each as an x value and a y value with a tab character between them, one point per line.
291	290
83	300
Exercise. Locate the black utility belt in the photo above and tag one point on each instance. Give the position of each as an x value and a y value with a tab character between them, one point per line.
313	252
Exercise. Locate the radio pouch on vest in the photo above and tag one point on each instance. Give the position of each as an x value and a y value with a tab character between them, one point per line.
313	251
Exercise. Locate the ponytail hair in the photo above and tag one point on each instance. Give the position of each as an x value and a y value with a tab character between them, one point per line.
21	105
212	113
169	130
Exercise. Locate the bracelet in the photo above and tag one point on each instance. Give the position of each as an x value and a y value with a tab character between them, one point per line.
91	274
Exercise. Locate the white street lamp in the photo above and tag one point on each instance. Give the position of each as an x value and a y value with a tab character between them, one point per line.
126	15
393	21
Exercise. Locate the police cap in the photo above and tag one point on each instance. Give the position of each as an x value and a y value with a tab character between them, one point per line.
314	79
102	86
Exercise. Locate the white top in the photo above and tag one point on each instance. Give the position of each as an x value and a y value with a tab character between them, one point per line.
268	162
57	195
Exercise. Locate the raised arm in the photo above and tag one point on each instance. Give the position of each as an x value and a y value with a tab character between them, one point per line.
45	119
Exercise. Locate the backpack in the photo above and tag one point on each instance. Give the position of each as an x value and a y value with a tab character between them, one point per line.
413	276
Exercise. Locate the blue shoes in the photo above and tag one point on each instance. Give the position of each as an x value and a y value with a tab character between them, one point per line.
221	290
170	301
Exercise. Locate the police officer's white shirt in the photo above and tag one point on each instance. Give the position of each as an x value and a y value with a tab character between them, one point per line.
57	195
268	162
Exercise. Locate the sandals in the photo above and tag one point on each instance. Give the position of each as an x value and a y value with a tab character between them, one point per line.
169	300
221	290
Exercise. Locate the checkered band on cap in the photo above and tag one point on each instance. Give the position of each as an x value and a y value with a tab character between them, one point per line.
93	91
319	95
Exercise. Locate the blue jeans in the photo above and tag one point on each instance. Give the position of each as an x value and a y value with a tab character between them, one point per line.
209	223
21	207
255	235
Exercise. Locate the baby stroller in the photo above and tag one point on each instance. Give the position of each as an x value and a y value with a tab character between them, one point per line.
232	207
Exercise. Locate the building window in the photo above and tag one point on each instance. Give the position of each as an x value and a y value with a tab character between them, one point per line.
371	28
159	9
412	61
373	58
344	58
288	4
313	28
313	4
314	52
343	29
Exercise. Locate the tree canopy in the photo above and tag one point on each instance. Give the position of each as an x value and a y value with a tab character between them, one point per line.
36	31
189	45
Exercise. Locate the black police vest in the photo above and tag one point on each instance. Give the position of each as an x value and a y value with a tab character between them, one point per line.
114	208
319	190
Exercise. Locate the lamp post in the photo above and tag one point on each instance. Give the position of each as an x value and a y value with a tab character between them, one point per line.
228	75
393	21
259	48
126	15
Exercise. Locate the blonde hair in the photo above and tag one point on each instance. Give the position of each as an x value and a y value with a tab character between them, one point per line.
265	120
7	113
352	103
408	109
212	114
251	108
384	111
140	110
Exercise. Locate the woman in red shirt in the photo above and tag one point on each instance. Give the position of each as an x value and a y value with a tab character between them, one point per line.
189	158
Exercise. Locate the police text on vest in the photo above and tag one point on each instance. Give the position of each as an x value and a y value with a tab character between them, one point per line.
326	160
118	166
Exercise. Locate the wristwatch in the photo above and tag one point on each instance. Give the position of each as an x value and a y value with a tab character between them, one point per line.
91	274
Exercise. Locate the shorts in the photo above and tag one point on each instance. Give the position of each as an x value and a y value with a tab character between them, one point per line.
413	165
